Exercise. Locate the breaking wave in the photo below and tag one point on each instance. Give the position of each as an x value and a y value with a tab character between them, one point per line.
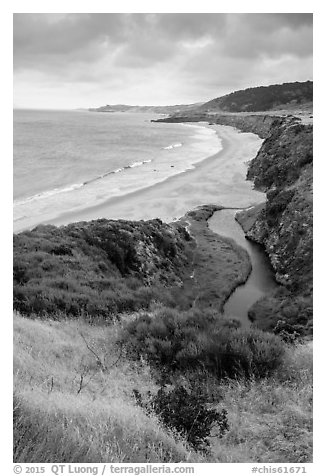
76	186
173	146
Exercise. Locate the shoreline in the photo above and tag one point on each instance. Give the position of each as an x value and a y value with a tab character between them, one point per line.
210	180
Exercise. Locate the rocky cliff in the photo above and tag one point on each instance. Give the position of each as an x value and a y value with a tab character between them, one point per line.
283	169
283	225
259	124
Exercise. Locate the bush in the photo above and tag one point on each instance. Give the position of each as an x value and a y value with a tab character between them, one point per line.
184	341
277	201
96	268
187	413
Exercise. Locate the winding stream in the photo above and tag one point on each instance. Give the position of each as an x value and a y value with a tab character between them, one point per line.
261	280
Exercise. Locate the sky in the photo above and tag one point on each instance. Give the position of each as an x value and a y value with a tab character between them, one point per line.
81	60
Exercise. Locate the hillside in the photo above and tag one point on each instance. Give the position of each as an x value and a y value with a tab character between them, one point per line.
277	97
103	268
123	325
125	356
259	124
122	351
67	408
99	268
283	168
145	109
263	98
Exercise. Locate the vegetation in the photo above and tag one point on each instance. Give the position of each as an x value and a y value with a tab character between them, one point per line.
105	268
219	265
160	383
186	412
286	314
263	98
127	357
283	168
283	155
197	341
69	408
97	269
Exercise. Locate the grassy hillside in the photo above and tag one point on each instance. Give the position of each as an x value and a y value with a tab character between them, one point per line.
74	402
121	351
161	379
99	268
105	268
67	408
262	98
145	109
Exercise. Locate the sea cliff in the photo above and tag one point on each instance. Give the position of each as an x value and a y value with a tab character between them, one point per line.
283	225
259	124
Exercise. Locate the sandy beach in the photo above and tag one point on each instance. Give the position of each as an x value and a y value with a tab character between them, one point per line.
218	179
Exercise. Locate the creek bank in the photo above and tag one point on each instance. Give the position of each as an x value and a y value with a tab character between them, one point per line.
220	265
283	225
105	268
283	168
261	280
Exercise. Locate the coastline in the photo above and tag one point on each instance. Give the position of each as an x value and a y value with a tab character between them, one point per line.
219	178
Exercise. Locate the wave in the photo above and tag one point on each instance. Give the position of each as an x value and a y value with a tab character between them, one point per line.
76	186
48	193
172	146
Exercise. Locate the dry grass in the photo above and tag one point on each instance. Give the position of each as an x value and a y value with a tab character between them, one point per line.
55	421
270	420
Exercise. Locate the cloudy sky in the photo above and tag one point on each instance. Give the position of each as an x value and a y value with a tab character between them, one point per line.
85	60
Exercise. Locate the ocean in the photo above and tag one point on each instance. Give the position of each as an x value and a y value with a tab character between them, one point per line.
71	160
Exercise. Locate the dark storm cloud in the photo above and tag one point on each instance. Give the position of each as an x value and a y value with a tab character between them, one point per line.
152	36
254	35
42	36
175	50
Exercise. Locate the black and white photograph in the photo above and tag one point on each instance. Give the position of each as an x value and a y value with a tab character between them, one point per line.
162	242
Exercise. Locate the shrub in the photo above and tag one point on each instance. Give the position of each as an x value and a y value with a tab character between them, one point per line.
183	341
277	201
187	413
97	268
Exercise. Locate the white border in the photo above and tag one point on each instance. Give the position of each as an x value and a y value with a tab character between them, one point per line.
172	6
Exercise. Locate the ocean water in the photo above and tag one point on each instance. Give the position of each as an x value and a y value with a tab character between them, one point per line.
70	160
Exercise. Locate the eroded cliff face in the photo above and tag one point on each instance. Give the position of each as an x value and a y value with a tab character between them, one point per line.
283	168
259	124
283	225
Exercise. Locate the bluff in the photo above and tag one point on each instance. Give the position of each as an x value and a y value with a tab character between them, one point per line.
283	225
283	169
259	124
98	268
175	109
103	268
263	98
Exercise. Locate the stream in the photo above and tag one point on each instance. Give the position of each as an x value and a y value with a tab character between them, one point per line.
261	280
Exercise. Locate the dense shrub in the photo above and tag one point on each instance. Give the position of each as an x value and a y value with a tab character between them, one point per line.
277	201
284	312
187	413
263	98
97	268
184	341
